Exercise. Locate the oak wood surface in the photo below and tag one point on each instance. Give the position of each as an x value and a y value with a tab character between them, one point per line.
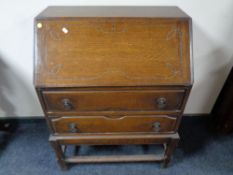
112	76
102	124
112	52
115	158
131	100
54	12
113	139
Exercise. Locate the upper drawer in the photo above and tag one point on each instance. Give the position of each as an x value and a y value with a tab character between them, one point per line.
124	100
84	52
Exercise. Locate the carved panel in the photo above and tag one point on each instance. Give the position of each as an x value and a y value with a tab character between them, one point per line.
123	50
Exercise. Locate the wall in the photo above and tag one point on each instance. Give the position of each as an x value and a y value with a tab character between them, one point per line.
213	50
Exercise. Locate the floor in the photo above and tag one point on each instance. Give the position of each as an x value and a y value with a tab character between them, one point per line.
200	152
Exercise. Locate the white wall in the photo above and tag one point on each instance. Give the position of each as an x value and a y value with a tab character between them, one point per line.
213	50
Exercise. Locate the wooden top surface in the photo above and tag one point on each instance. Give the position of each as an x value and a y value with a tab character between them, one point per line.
112	11
105	51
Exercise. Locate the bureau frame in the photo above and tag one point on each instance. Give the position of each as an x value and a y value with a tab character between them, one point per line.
93	88
168	140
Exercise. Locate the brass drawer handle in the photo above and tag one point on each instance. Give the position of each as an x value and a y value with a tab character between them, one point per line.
67	104
156	126
73	128
161	102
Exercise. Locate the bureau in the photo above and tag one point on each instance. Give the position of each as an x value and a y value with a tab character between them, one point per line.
113	76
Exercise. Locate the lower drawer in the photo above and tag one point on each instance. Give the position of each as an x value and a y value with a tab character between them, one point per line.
102	124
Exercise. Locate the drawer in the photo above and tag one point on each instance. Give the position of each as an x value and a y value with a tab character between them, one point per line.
124	100
103	124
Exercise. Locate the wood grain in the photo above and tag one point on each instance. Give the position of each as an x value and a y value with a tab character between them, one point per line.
115	100
113	139
54	12
113	76
102	124
115	158
112	52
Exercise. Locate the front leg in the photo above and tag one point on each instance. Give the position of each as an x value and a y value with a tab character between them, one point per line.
170	148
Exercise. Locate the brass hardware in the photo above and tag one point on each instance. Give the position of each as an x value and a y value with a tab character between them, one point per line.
67	104
73	128
161	102
156	126
39	25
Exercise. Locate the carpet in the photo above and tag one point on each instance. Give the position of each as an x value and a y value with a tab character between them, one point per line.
200	152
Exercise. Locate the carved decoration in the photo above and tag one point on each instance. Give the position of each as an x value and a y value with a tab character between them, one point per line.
52	32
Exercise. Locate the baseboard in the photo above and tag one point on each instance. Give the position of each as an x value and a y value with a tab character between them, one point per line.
27	118
19	120
197	115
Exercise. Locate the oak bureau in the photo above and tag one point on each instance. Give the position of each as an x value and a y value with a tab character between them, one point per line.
113	76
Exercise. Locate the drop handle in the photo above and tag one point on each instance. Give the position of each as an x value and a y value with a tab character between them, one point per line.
67	104
156	126
73	128
161	102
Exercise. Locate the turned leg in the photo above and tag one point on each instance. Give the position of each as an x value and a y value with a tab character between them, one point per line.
170	148
59	154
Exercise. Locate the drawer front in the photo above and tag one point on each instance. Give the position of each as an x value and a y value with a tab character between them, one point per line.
99	101
102	124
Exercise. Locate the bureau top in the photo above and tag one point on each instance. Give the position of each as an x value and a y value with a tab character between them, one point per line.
112	11
112	46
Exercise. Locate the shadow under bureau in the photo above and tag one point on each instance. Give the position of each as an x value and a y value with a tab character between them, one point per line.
113	76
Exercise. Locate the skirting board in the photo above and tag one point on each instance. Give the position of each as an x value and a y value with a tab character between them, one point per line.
31	119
